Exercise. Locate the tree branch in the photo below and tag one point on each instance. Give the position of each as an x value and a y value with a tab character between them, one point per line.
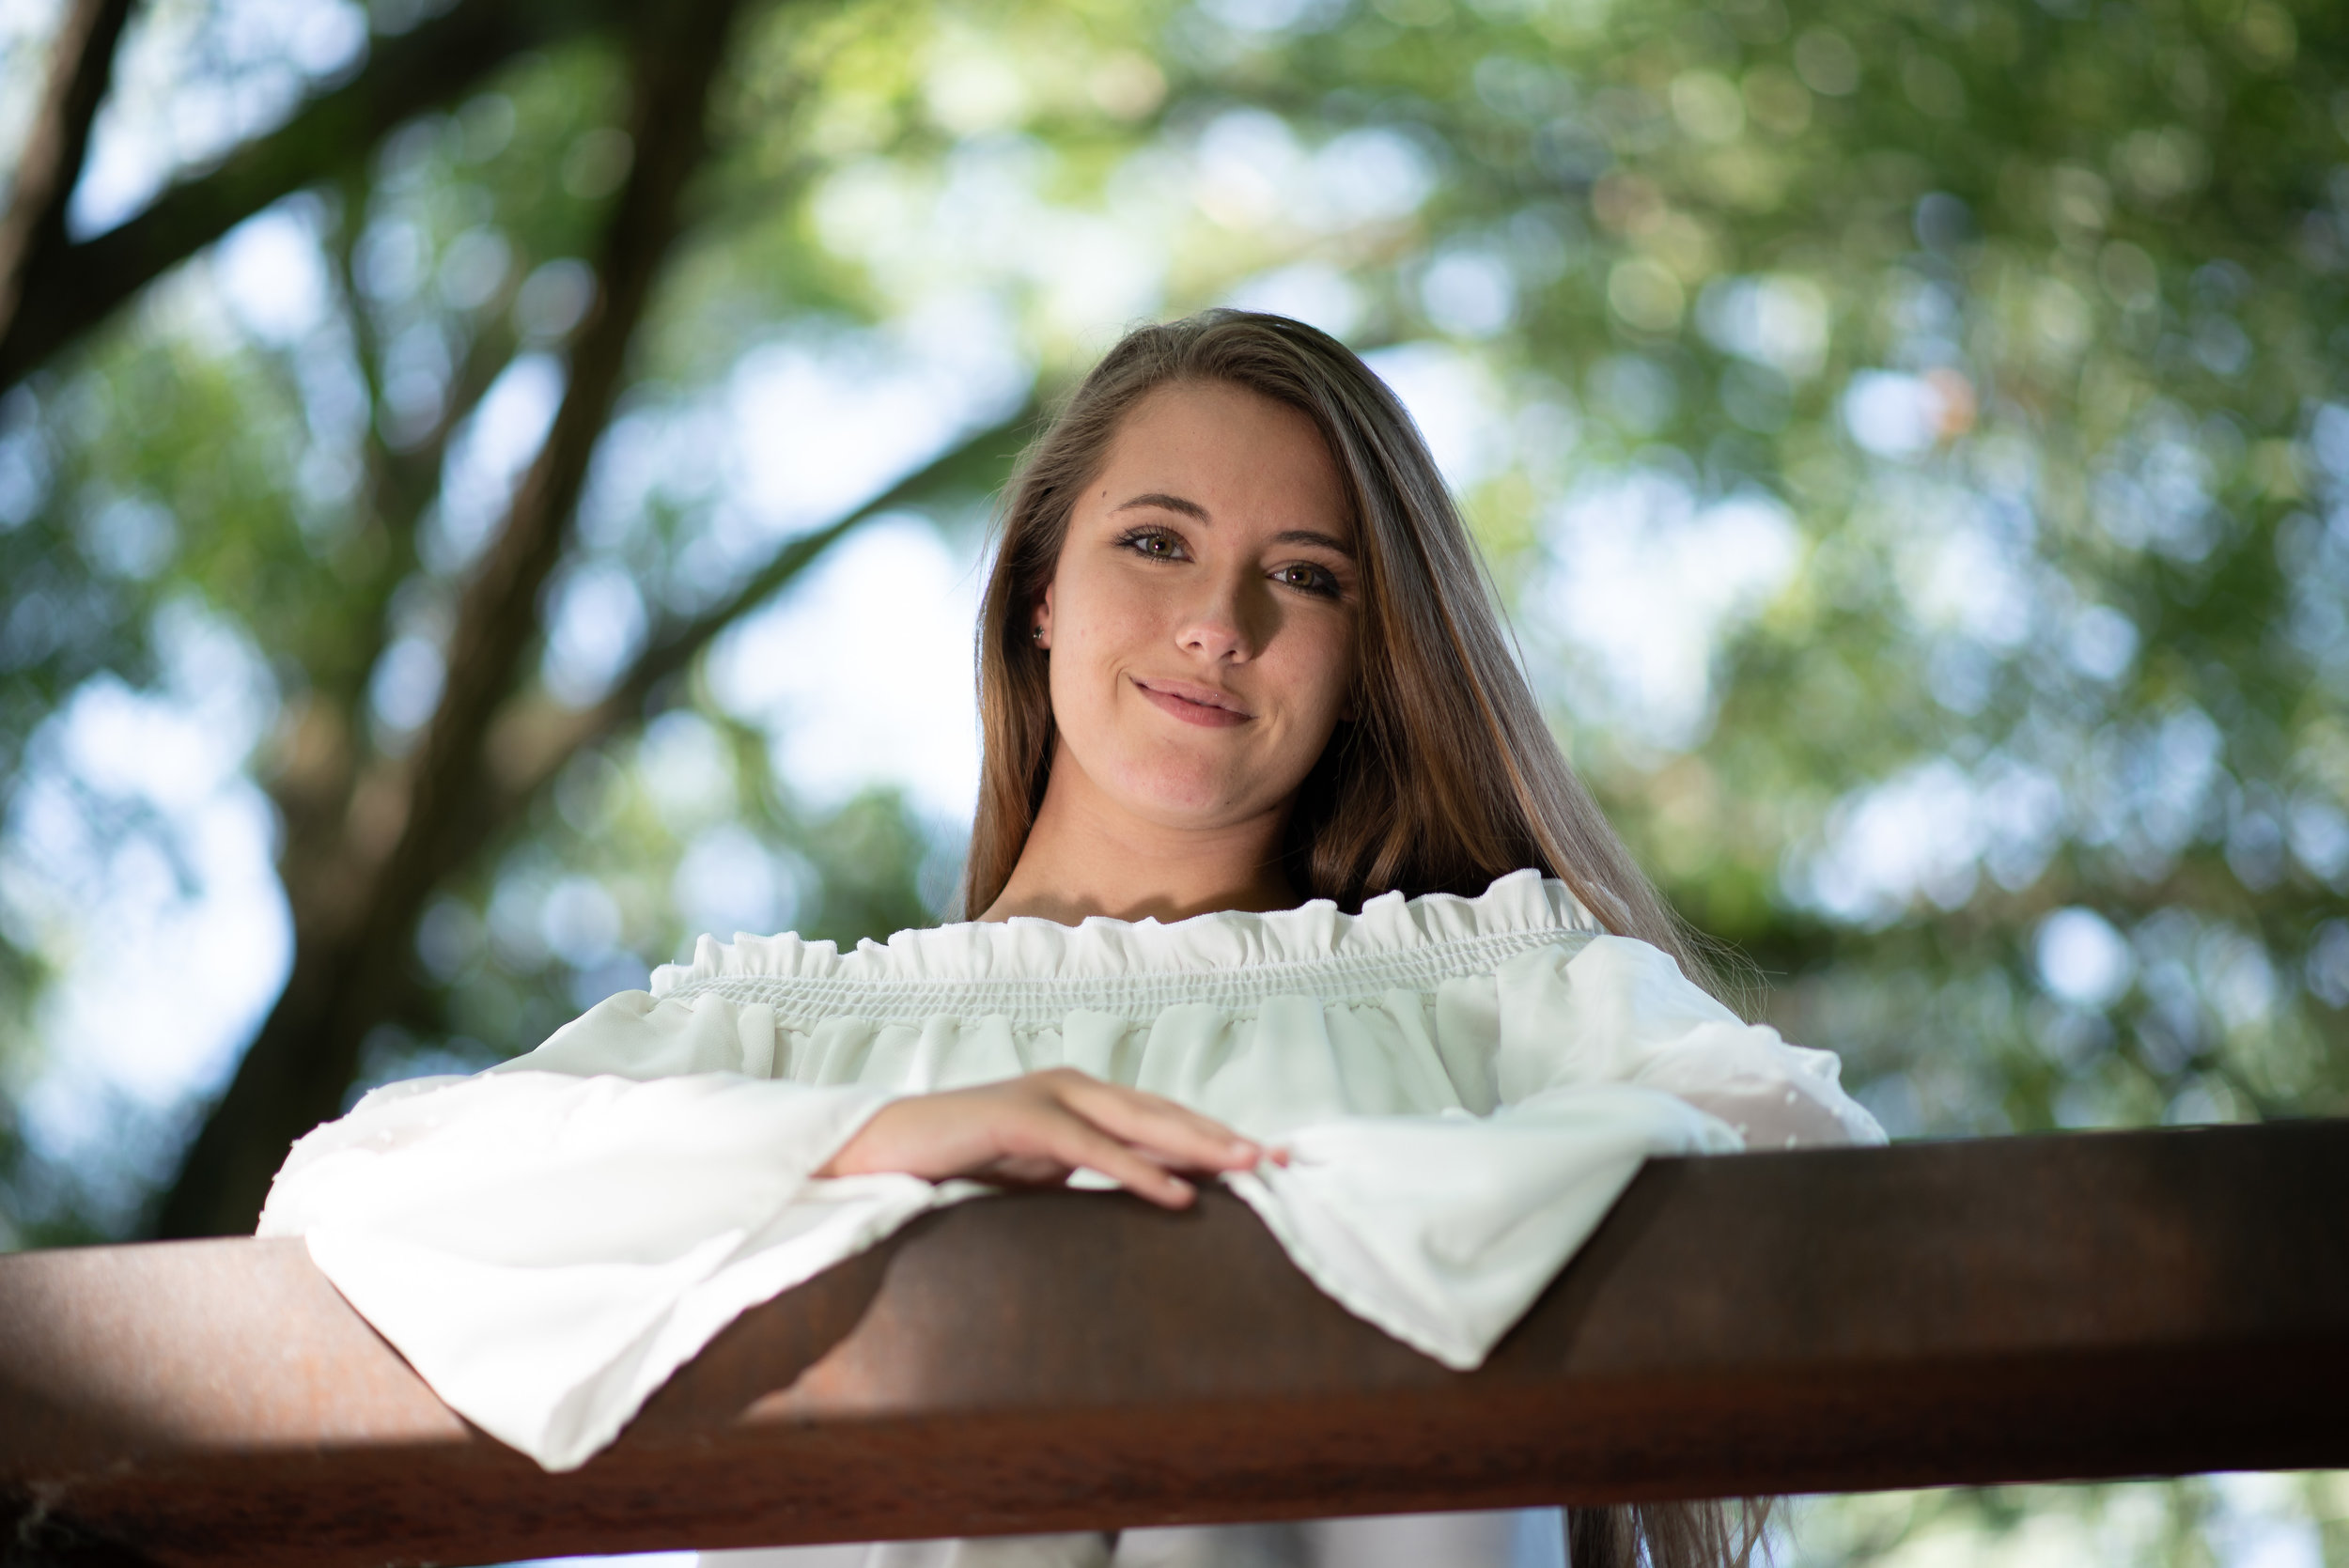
73	288
531	743
976	464
79	68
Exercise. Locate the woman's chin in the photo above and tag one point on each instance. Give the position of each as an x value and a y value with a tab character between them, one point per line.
1190	803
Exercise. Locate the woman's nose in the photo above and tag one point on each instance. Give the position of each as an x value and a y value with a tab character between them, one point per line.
1219	626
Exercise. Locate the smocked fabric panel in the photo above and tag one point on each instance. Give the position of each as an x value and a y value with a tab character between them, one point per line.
1032	1002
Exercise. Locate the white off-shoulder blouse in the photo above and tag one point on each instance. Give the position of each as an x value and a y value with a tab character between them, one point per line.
1465	1086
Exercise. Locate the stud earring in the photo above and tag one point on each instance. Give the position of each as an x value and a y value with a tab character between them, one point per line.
1036	633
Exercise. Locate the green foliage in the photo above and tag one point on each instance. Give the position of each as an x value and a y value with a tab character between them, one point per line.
2188	1523
612	871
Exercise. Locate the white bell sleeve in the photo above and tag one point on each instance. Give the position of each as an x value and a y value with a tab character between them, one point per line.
1619	1011
547	1241
1442	1229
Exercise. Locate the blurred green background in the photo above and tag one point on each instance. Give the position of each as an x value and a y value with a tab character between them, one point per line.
1909	438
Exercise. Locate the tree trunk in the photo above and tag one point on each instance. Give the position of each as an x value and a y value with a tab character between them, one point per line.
350	969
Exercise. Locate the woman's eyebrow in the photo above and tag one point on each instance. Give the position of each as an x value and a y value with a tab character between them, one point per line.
1307	537
1165	503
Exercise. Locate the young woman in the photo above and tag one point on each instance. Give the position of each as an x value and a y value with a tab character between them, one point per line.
1274	857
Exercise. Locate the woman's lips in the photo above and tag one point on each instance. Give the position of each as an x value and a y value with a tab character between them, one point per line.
1193	705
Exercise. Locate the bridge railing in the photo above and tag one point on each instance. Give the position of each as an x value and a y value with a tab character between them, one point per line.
2080	1306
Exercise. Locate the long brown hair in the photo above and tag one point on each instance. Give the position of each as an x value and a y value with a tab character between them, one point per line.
1446	777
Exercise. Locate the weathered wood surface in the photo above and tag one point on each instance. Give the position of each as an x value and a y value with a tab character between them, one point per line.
2081	1306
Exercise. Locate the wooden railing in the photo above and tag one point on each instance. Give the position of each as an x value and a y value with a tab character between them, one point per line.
2021	1308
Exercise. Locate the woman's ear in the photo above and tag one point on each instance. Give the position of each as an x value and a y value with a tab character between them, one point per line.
1040	622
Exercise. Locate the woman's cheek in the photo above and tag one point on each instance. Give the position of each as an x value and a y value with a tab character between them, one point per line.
1324	673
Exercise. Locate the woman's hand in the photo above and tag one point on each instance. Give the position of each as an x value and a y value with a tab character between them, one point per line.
1033	1131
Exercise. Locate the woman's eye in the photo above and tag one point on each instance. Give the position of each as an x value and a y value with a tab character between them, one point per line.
1310	579
1160	547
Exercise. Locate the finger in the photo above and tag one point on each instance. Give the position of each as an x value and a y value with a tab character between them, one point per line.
1071	1140
1172	1143
1171	1132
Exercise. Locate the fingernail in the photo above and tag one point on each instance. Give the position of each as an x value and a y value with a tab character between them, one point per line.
1243	1150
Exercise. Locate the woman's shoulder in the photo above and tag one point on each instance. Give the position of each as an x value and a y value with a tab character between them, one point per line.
1119	965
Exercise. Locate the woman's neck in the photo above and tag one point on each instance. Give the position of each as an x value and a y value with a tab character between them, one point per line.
1085	856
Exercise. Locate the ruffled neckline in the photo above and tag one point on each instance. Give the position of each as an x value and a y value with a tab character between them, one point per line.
1513	912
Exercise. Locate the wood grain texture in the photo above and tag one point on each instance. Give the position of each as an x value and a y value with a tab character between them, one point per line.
2025	1309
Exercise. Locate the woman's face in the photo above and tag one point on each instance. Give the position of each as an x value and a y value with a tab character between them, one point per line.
1202	616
